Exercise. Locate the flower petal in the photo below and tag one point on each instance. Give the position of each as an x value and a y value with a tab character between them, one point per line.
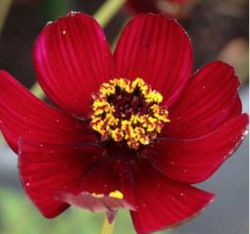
55	177
193	161
158	50
72	58
48	169
23	115
93	202
163	203
208	100
108	176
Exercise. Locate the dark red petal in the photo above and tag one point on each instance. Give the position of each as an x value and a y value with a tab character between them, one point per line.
108	176
208	100
86	200
72	58
163	203
158	50
193	161
23	115
46	170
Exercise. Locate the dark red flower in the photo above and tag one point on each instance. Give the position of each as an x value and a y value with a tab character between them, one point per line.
130	130
174	8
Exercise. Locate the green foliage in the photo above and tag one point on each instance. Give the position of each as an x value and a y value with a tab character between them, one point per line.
52	9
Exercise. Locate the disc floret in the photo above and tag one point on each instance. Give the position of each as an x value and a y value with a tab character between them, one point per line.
128	111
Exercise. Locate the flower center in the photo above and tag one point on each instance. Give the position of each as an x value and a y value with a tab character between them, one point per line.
129	112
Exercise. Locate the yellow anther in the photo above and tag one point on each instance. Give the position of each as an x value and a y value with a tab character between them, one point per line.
142	136
107	89
154	96
139	128
145	90
122	84
128	130
116	194
138	82
96	195
111	120
135	119
117	134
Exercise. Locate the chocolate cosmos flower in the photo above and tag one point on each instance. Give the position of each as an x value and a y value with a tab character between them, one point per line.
133	129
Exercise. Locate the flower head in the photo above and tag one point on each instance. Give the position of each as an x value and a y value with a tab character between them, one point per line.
131	130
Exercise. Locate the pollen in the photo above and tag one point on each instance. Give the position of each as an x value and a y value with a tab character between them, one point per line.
116	194
128	112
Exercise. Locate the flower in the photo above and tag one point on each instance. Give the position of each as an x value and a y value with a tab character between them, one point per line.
173	8
133	129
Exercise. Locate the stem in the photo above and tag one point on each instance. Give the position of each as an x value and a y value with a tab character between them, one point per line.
108	10
107	228
4	10
118	35
37	91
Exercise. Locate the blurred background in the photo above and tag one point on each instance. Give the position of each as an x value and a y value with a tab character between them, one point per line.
218	30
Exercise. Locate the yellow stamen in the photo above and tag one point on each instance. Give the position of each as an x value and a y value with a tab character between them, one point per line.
116	194
96	195
138	128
